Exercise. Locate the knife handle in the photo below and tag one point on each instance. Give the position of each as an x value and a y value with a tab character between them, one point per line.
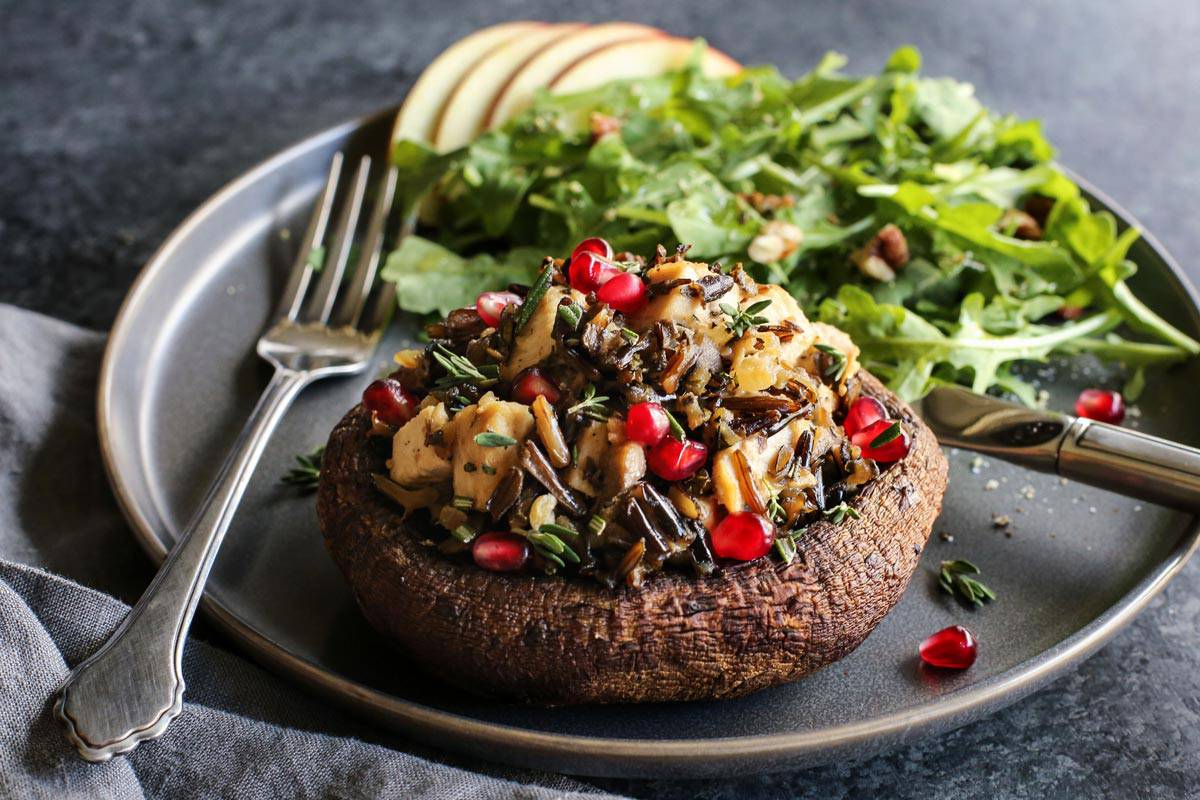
1131	463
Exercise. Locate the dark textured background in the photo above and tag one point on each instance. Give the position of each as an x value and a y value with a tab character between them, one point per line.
117	118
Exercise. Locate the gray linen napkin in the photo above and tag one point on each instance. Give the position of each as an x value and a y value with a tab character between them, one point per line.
243	733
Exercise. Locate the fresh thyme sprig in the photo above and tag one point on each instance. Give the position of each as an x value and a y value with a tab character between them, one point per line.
592	405
307	471
838	513
570	313
835	369
547	543
459	369
785	544
744	319
955	578
676	429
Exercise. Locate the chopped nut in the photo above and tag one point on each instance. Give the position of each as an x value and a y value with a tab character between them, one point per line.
892	246
872	266
791	234
991	485
1001	520
766	248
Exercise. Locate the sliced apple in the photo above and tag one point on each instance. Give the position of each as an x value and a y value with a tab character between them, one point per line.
466	109
638	58
419	114
547	65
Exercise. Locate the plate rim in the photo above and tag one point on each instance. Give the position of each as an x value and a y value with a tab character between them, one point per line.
603	756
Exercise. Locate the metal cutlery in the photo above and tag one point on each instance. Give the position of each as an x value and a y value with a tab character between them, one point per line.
1118	459
327	323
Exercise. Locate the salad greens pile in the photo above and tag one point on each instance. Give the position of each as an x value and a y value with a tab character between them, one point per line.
837	156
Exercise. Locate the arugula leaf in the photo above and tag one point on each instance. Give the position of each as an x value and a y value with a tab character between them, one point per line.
430	278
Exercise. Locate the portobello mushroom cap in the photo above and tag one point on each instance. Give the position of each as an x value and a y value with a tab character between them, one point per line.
557	641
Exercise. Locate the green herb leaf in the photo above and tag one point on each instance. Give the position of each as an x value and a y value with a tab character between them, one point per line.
840	512
534	298
890	434
490	439
591	405
954	577
307	472
743	320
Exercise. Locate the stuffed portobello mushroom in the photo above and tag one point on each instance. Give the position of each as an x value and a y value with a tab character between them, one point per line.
633	481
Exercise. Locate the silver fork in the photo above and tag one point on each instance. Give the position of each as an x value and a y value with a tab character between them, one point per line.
132	687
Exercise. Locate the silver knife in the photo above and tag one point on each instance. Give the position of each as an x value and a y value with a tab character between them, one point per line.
1118	459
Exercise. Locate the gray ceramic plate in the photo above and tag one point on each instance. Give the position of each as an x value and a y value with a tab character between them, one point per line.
180	377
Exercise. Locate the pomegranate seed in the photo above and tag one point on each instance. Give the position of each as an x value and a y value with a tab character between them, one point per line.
743	536
489	305
595	246
530	384
863	412
625	292
894	446
391	402
500	551
1101	405
646	423
588	271
675	459
949	648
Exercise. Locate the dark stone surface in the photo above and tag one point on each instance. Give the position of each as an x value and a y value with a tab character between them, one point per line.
116	119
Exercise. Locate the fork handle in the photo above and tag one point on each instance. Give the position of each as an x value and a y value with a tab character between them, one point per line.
132	687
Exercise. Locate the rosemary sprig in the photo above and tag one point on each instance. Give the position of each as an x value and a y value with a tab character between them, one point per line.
534	297
835	369
592	405
838	513
307	471
459	369
890	434
492	439
676	429
744	319
955	578
630	335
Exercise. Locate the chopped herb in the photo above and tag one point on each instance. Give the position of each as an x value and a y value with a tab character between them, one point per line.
839	513
835	369
488	469
462	502
776	511
597	524
592	405
890	435
316	258
786	548
464	533
490	439
535	295
570	313
630	334
743	320
955	578
677	430
307	472
546	541
460	369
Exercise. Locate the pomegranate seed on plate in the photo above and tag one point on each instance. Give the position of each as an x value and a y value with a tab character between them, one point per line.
530	384
646	423
743	536
489	305
391	402
884	441
594	245
500	551
863	412
675	459
588	271
1101	405
625	292
950	648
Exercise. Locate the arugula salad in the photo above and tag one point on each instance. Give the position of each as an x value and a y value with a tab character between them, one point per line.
808	183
